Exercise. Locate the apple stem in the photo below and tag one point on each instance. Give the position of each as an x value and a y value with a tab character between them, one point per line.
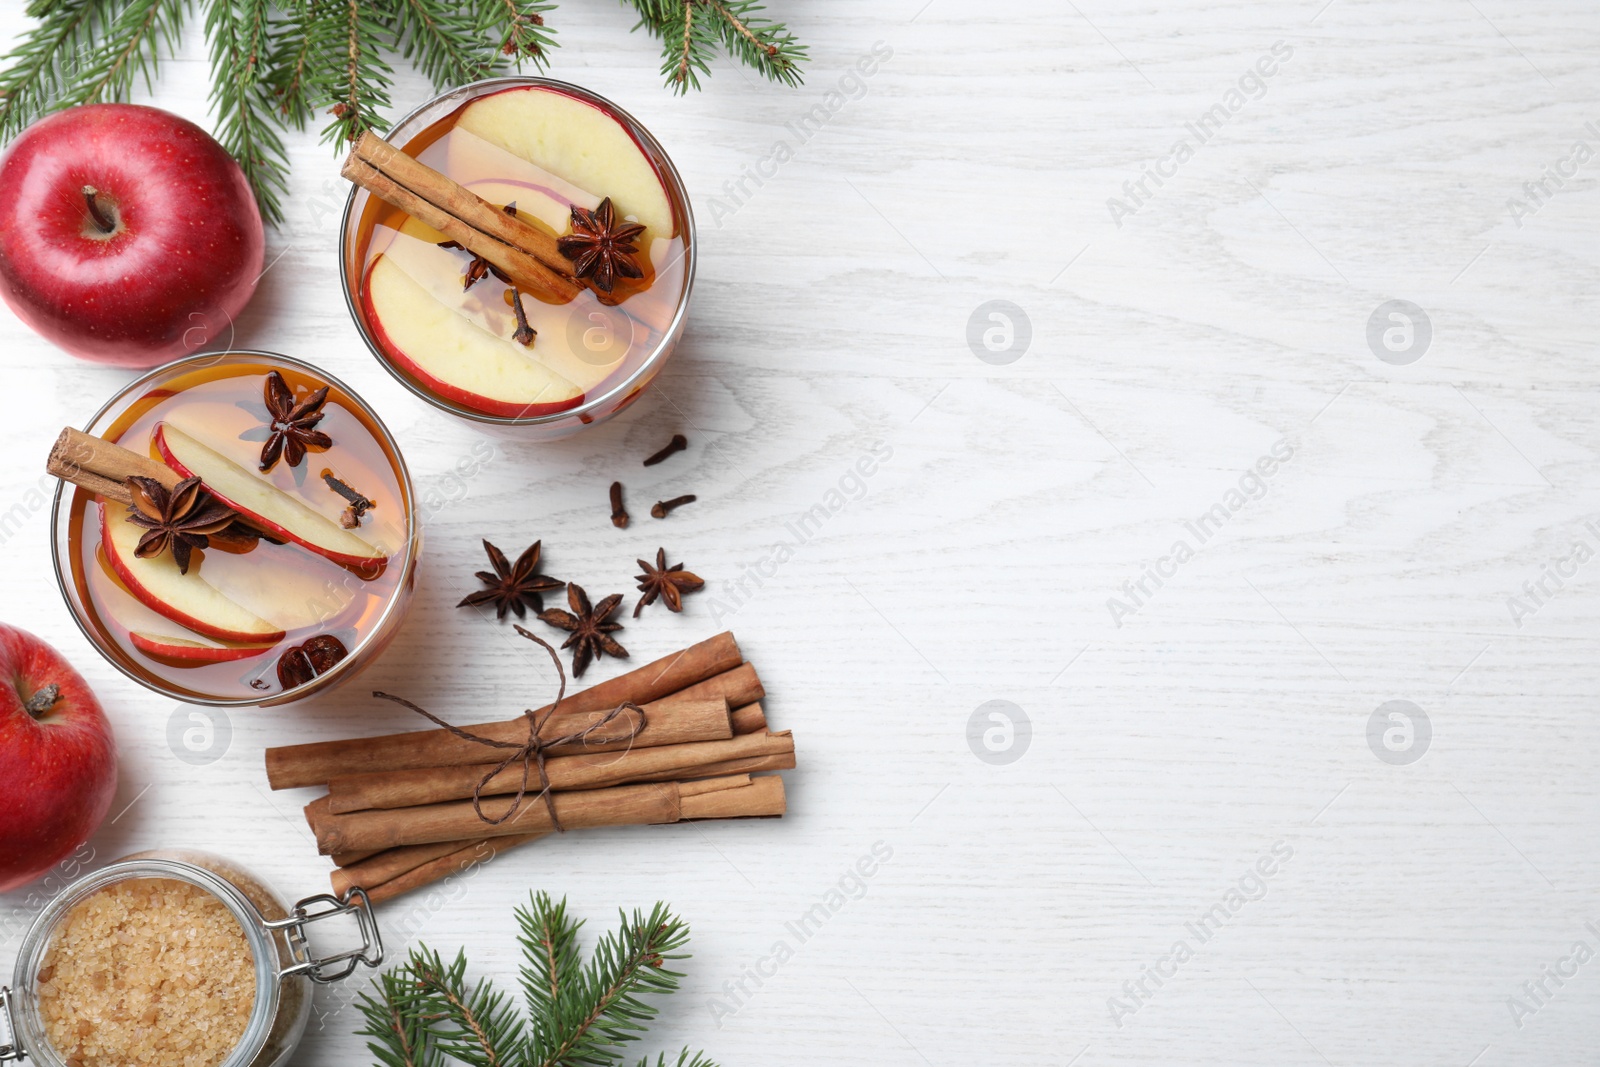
102	219
43	700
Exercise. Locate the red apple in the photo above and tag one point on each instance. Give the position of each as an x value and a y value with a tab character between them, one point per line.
57	759
127	235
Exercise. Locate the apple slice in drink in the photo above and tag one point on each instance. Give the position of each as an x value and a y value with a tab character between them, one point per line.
441	345
537	192
577	142
262	503
184	651
575	351
187	599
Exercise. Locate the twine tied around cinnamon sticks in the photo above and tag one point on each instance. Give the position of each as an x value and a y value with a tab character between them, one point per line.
531	752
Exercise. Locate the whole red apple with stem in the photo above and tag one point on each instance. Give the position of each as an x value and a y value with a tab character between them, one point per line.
127	234
58	760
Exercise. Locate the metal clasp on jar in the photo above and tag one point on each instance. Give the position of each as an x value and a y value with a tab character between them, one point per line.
10	1044
315	909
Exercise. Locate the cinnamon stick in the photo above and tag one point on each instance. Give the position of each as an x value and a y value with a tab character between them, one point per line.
678	674
735	797
587	770
389	865
525	253
747	720
103	467
622	805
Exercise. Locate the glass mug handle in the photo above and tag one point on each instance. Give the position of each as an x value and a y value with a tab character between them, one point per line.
315	909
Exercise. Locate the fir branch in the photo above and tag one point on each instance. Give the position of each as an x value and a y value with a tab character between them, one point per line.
551	968
685	1059
238	32
473	1025
426	1013
393	1019
289	74
48	58
607	1011
688	39
519	29
357	79
444	38
767	46
132	47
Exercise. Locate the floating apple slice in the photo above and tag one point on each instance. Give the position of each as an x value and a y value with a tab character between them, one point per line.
261	502
183	650
452	355
187	599
539	193
576	141
415	250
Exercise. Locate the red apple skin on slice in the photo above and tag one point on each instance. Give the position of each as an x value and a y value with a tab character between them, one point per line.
262	503
186	599
183	650
453	393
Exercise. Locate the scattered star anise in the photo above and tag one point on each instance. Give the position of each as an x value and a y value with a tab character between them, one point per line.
668	583
512	587
600	247
591	633
304	662
293	425
179	520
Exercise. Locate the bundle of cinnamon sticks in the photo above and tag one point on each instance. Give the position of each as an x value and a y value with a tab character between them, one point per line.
404	810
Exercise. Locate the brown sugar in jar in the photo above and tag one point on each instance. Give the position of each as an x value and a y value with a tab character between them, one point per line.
151	971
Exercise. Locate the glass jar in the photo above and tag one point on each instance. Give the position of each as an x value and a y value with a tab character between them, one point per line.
612	396
362	611
276	934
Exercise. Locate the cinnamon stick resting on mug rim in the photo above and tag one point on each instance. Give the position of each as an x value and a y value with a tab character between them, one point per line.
524	253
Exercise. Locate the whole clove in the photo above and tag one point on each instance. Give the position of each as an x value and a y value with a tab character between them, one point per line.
663	508
359	502
524	334
619	514
677	444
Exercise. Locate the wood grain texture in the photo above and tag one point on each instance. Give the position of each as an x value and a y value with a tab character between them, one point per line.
1007	504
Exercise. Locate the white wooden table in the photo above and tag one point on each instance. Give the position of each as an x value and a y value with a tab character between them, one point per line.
1198	728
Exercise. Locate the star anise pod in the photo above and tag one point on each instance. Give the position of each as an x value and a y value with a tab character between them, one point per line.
179	520
591	633
292	425
600	247
668	583
512	587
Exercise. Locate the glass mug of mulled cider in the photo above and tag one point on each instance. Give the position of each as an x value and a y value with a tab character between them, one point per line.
518	252
288	566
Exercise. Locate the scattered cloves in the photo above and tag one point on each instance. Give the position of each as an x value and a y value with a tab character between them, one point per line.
619	514
677	444
663	508
359	503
